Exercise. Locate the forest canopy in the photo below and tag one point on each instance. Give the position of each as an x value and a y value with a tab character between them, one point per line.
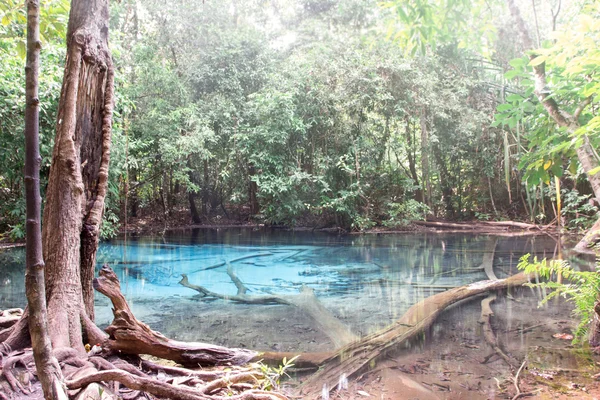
326	113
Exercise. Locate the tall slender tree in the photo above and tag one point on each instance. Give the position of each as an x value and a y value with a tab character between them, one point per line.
46	365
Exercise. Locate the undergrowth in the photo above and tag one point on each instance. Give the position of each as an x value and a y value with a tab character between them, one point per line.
580	287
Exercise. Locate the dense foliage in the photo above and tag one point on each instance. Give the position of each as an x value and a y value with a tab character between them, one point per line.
324	113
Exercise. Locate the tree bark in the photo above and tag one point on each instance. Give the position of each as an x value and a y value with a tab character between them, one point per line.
79	173
47	367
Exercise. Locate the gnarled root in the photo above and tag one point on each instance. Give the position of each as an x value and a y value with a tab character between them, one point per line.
159	387
26	359
130	336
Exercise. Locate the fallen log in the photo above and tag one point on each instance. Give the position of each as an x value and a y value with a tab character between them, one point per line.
511	224
445	225
480	225
351	359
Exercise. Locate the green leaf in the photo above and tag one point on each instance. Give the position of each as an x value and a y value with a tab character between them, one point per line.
537	60
513	73
517	62
514	97
21	49
594	171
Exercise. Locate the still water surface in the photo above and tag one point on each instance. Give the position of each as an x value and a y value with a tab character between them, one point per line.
366	281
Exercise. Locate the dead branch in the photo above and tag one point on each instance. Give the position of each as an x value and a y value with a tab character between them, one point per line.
232	261
306	300
516	383
488	332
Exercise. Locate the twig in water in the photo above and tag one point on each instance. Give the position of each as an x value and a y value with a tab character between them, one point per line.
516	380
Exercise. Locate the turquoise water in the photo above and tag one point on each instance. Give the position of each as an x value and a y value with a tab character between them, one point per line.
365	281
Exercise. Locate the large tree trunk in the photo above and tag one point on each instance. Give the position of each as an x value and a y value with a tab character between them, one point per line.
79	173
47	367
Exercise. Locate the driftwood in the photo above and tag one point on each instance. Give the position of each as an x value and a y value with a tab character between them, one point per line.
488	332
306	300
351	359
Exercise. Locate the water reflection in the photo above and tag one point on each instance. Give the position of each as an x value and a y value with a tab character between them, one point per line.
366	281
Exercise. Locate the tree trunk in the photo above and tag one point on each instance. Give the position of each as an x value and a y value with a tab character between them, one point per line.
192	195
47	367
444	181
79	173
425	158
412	162
193	209
252	191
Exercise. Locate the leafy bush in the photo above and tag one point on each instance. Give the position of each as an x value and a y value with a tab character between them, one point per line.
401	214
577	211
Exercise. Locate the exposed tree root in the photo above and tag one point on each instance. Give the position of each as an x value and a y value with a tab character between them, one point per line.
16	337
130	336
163	389
10	317
306	300
80	371
26	359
